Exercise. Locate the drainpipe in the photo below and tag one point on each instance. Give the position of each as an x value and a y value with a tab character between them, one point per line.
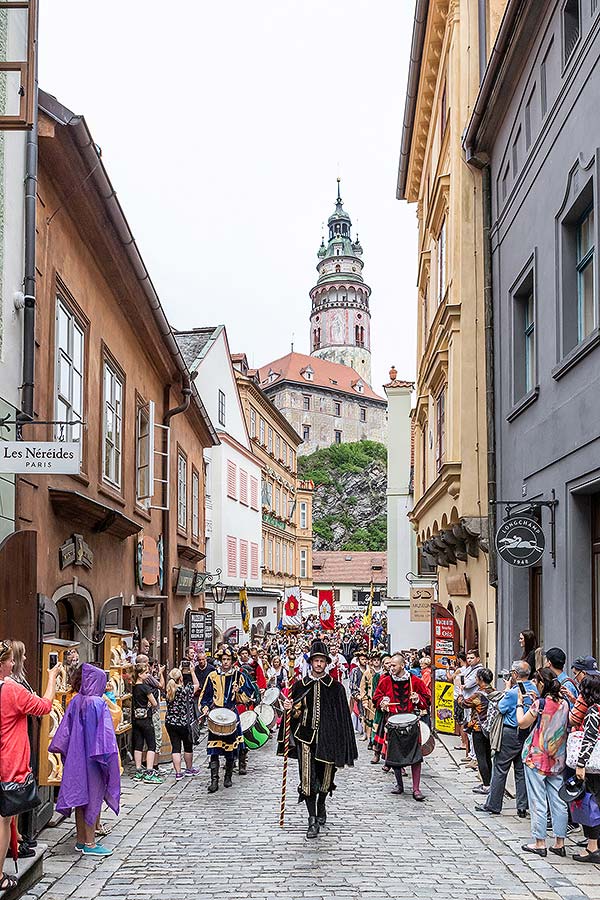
186	390
31	171
482	32
486	183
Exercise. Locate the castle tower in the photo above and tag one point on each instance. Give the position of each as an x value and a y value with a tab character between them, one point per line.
340	321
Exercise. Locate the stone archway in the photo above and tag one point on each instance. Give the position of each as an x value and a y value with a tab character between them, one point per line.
76	618
471	628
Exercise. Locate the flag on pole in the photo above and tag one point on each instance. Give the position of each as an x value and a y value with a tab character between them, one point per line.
327	609
292	608
244	611
368	616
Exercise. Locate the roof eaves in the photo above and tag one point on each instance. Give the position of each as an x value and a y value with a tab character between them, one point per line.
412	91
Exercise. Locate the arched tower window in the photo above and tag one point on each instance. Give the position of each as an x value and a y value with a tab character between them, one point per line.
317	338
338	268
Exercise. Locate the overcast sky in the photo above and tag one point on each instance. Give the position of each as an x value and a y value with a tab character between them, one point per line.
223	127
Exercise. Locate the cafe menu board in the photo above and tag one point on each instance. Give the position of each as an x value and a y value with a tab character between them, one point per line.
445	638
201	630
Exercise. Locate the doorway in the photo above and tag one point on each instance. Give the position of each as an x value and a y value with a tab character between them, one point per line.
75	623
471	630
536	622
595	531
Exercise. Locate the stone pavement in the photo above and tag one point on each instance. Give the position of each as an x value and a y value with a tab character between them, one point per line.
376	845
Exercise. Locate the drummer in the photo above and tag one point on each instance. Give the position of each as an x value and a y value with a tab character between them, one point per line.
226	688
401	693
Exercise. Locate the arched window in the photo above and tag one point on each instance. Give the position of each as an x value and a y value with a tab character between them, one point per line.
338	268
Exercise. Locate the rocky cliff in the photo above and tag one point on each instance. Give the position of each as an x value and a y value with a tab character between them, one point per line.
349	511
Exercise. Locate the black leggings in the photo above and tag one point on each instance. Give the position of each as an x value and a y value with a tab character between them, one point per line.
142	732
481	746
179	735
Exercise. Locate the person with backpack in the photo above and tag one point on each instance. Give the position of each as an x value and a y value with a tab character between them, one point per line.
479	706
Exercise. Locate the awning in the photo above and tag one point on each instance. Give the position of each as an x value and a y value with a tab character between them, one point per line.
87	513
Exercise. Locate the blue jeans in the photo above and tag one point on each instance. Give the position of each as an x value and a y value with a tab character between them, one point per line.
542	792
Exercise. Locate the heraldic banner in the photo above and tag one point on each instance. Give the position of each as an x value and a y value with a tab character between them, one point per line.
292	608
327	610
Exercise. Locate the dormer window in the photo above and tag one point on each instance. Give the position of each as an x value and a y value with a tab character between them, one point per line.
271	376
359	387
308	373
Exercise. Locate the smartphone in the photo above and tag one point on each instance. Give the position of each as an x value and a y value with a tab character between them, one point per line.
52	660
462	680
522	688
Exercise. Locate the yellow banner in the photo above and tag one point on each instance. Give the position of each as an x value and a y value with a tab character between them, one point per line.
444	707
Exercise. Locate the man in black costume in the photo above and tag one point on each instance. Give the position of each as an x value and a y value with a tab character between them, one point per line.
322	734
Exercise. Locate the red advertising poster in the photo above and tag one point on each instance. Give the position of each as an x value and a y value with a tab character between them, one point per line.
445	642
326	610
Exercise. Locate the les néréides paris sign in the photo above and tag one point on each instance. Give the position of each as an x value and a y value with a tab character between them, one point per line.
43	457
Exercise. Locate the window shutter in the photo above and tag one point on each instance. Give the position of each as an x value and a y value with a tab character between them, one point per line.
231	557
254	493
243	559
243	487
253	560
231	480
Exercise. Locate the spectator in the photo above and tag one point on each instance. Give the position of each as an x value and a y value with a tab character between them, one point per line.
425	663
180	715
203	669
142	731
528	644
544	755
478	704
582	666
590	692
26	835
555	659
276	674
155	679
459	713
511	746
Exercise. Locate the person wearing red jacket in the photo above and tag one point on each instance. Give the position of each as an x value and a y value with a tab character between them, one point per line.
401	692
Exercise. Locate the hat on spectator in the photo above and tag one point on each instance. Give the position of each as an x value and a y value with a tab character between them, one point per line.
586	664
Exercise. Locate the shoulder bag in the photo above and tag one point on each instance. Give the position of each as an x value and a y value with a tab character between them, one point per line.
16	797
574	742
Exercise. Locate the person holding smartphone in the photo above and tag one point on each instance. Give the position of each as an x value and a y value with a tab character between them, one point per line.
520	690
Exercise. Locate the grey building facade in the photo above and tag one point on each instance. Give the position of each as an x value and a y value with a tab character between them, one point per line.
535	134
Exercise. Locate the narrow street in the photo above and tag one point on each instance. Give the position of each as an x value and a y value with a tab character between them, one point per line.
376	845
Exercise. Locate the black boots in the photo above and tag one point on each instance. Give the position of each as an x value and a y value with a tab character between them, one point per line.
214	775
321	811
399	789
228	772
313	827
243	763
314	822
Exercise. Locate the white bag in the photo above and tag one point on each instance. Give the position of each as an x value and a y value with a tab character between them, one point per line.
574	742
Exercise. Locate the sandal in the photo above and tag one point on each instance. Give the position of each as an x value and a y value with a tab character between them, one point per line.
7	882
101	831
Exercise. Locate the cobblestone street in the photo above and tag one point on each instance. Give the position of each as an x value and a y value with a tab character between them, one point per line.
438	849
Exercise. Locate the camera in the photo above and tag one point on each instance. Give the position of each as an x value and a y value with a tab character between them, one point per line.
504	674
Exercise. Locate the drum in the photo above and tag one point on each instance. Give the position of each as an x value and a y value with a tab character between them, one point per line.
247	721
257	735
266	714
403	740
427	738
272	697
222	722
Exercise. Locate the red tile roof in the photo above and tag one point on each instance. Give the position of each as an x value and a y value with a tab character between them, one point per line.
330	375
346	567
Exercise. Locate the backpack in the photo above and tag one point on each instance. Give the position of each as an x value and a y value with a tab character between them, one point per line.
492	726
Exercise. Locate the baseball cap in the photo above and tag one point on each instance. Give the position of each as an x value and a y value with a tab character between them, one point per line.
586	664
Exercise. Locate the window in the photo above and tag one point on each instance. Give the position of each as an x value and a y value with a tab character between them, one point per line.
270	439
195	504
586	301
516	153
277	502
544	79
267	494
243	559
243	487
337	408
231	557
231	480
303	514
440	428
505	181
529	108
306	432
278	556
293	459
363	414
425	312
306	402
112	426
262	432
181	491
252	423
524	369
285	453
253	560
221	408
270	555
423	458
277	447
337	437
285	558
571	28
144	453
253	492
303	563
441	261
69	371
284	505
207	480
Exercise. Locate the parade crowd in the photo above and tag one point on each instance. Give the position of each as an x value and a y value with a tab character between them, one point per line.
315	695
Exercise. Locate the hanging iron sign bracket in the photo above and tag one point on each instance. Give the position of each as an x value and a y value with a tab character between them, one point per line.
6	422
529	506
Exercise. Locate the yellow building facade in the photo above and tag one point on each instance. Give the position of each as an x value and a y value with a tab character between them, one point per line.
450	512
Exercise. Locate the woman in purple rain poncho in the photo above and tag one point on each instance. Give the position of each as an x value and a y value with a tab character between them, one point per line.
86	740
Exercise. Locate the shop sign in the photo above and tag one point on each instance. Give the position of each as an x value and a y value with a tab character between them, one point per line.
201	629
148	561
46	457
185	581
444	707
445	637
259	612
271	520
520	541
458	585
364	597
75	552
421	599
199	582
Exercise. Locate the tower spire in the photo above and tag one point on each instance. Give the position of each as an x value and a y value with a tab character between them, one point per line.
339	199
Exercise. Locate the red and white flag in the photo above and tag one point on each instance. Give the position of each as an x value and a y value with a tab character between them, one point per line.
327	610
292	608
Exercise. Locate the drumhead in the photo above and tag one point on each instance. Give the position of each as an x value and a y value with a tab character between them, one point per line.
247	719
425	732
271	696
403	719
222	716
266	714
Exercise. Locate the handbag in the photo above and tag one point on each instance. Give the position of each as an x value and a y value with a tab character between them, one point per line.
586	811
16	797
574	742
193	722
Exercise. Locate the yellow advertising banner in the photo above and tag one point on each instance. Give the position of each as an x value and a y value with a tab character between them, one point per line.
444	707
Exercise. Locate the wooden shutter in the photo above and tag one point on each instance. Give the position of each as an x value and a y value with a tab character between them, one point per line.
231	557
231	480
254	492
243	487
253	560
243	559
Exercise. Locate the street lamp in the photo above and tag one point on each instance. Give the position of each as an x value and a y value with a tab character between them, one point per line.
218	591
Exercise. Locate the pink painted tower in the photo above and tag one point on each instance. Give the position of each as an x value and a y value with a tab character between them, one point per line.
340	321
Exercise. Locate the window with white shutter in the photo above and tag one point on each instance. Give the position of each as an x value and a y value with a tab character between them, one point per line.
253	560
243	559
253	492
231	480
231	557
243	487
